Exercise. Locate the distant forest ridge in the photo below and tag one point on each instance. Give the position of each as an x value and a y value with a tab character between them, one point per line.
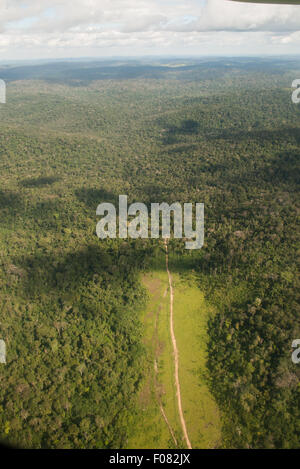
161	68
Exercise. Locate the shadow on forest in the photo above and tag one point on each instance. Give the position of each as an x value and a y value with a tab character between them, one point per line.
148	194
44	213
39	181
98	263
183	148
93	197
286	134
178	263
283	168
10	199
187	127
286	167
46	273
152	193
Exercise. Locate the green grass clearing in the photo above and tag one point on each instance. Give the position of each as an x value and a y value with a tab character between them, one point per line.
191	313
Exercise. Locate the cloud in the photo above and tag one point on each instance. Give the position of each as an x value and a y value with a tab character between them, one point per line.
93	24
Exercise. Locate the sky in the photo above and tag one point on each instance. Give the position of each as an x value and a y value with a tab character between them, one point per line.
104	28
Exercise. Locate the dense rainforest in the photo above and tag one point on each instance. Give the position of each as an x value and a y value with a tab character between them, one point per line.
72	135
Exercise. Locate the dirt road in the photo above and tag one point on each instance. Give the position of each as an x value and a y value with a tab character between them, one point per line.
175	350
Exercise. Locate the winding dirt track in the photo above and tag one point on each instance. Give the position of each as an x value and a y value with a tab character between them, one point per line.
162	409
175	350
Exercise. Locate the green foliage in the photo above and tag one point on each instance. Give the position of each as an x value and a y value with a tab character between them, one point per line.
220	132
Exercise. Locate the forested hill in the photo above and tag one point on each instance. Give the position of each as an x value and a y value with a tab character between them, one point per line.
72	135
87	71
